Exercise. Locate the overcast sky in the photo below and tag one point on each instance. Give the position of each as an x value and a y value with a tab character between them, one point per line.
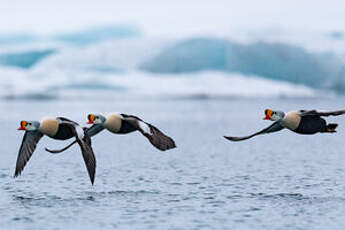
171	17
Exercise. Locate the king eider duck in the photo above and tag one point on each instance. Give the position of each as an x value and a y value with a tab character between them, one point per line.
58	128
123	124
301	122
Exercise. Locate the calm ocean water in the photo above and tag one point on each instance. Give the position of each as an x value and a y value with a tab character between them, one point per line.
278	181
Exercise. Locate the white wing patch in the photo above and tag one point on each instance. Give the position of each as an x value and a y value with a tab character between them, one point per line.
80	132
145	127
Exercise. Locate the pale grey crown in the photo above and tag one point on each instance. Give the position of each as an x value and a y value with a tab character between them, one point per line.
100	117
32	125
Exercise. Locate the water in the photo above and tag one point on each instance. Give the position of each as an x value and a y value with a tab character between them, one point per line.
277	181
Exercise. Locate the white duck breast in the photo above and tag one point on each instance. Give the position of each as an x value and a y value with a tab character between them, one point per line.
113	123
291	120
49	126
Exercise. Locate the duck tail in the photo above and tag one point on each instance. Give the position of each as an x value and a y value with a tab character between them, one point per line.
331	128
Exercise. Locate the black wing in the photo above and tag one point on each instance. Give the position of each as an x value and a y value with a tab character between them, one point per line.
93	130
153	134
275	127
28	146
55	151
322	114
84	142
89	156
66	120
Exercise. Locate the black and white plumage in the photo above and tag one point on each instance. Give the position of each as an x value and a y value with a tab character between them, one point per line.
301	122
123	124
58	128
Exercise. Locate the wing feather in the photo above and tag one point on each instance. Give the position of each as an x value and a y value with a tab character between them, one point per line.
322	114
28	146
92	131
275	127
84	142
156	137
88	156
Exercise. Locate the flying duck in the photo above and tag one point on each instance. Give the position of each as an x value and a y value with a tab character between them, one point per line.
58	128
301	122
123	124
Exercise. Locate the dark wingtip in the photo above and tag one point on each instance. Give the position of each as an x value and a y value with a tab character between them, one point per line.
48	150
172	146
231	138
51	151
166	145
16	173
92	178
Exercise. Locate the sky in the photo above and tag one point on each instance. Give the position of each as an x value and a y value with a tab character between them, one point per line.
170	18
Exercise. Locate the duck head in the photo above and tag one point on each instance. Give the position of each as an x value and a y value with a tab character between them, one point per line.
273	115
95	119
29	125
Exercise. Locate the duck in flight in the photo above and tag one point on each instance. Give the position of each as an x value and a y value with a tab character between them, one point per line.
123	124
58	128
301	122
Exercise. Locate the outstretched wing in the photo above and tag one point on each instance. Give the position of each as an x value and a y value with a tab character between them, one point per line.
153	134
275	127
55	151
84	142
28	146
88	155
322	114
93	130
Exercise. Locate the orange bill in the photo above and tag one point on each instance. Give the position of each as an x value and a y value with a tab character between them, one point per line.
268	113
91	118
22	125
